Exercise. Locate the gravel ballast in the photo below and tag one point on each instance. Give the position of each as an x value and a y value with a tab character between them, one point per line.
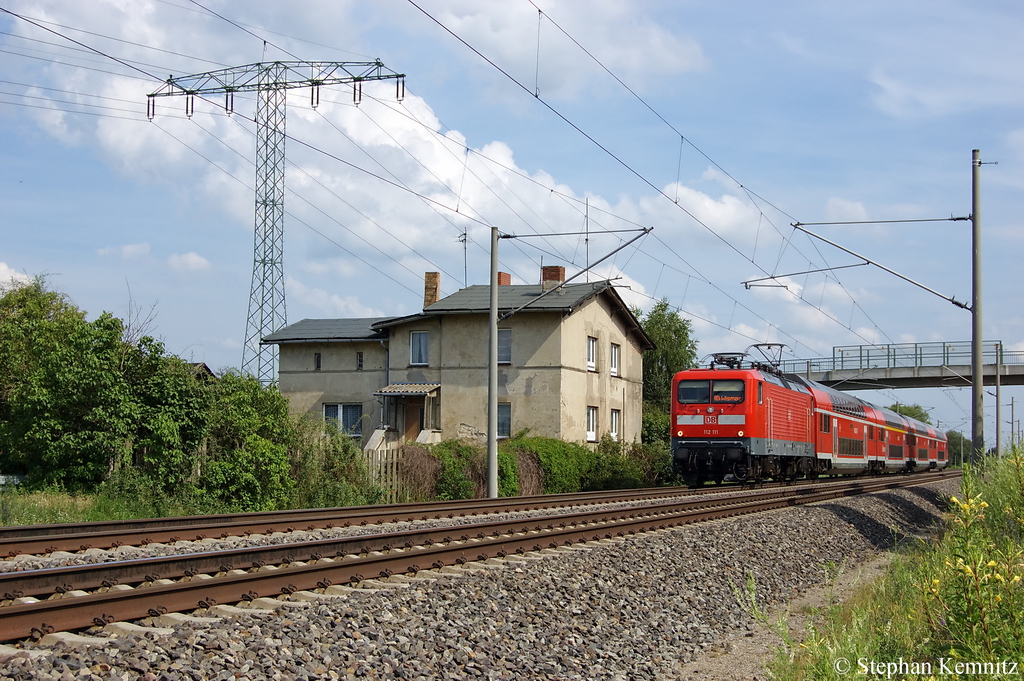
636	609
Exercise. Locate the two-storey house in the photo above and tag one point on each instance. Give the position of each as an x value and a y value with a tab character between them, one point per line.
569	365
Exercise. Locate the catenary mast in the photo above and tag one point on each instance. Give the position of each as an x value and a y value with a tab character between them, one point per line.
270	80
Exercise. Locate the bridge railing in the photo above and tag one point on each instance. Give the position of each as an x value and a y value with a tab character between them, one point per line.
902	355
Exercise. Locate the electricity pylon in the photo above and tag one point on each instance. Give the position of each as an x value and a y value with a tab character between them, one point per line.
267	312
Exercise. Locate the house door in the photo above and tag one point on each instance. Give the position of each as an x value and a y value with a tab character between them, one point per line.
413	418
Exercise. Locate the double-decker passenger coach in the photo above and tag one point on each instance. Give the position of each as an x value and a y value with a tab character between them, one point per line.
747	421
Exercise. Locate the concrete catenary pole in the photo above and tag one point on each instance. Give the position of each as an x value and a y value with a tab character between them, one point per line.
999	399
977	377
492	376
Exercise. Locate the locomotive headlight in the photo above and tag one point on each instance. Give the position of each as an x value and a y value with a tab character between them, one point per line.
679	434
740	433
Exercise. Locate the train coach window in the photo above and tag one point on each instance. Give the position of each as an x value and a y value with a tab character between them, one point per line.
728	391
694	392
760	393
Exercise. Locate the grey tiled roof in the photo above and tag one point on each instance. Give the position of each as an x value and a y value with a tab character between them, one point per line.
329	330
478	298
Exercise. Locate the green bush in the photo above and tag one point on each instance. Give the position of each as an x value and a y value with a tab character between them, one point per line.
329	468
461	466
960	597
655	425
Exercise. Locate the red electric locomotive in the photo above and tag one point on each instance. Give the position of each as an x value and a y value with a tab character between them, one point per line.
747	421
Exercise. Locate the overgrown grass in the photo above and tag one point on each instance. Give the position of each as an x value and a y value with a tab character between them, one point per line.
328	469
958	599
18	507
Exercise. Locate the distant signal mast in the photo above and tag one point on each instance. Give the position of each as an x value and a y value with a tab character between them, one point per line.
267	312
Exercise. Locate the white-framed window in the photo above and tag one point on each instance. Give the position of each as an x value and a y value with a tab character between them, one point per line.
591	353
316	361
504	420
613	359
504	346
613	424
419	348
359	361
347	417
591	424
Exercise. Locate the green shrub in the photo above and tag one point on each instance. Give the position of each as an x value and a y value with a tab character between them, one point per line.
461	466
329	468
655	425
960	597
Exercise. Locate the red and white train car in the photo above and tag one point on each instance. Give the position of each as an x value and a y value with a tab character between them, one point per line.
754	423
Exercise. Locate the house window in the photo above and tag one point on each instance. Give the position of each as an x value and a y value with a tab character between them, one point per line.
591	353
613	359
613	424
348	418
504	346
316	361
591	424
359	361
504	420
419	347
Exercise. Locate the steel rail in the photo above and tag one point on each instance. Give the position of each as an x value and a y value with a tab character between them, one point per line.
46	582
110	534
18	621
38	539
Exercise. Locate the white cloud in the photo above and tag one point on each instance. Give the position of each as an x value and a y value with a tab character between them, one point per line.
127	251
328	304
188	262
9	275
629	41
844	210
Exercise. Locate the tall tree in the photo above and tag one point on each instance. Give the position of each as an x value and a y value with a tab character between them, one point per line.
914	411
675	350
78	402
956	446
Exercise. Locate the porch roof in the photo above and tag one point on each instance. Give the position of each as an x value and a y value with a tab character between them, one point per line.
408	389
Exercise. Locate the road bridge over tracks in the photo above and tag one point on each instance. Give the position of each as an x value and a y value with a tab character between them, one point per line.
910	365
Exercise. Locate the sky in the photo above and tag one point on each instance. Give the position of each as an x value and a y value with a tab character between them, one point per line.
717	124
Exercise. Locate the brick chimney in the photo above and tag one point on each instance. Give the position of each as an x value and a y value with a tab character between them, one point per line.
504	279
551	276
431	288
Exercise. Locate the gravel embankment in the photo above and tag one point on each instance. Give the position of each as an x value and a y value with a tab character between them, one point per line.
634	610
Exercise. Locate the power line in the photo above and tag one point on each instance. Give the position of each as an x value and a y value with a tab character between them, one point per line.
242	28
80	44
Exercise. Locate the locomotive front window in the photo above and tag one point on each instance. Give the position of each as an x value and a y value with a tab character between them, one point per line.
694	392
727	391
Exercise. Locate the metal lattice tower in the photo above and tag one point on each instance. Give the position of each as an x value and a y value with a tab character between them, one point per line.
270	80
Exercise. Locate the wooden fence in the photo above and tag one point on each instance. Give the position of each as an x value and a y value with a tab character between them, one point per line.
383	465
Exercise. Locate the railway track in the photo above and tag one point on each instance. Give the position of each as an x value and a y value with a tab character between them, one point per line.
74	537
297	570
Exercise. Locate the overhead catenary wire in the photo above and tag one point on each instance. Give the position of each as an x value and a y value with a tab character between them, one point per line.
573	198
750	194
609	153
